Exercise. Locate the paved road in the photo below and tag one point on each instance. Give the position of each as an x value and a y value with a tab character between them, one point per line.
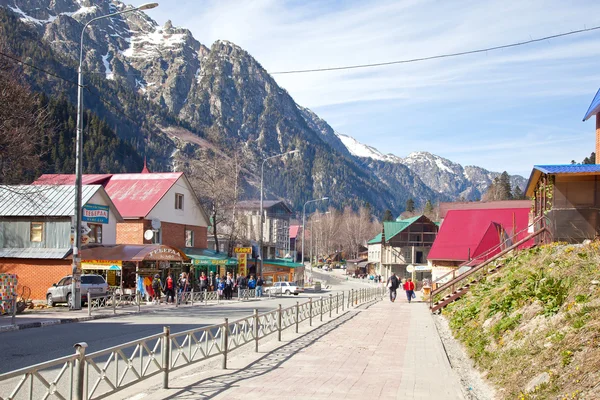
388	351
23	348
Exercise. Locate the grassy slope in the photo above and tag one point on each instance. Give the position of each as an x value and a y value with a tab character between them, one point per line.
540	313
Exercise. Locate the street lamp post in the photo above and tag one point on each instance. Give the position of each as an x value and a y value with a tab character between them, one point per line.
76	299
262	217
304	221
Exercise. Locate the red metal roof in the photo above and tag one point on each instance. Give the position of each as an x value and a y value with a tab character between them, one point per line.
134	195
476	231
294	230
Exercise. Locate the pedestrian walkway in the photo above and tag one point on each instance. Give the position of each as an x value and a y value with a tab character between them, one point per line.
385	351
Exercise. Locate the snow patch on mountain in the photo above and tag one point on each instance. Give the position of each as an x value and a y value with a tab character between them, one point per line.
107	69
360	150
29	19
149	44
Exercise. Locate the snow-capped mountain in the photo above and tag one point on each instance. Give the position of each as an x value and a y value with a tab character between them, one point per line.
225	97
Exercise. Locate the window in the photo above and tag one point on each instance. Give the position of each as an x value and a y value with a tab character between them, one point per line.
95	233
189	238
36	231
178	201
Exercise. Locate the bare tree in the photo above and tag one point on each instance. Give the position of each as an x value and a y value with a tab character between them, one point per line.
24	123
216	181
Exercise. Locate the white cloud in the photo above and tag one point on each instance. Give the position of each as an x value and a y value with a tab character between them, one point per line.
386	106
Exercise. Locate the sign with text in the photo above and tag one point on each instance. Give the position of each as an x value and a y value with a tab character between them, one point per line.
242	250
163	253
95	213
242	263
101	264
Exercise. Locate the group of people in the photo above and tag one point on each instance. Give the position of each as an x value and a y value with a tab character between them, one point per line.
224	285
393	283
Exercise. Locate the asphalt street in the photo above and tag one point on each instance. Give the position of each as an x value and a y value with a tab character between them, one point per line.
24	348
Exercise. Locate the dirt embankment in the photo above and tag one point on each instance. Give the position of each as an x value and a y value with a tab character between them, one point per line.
533	329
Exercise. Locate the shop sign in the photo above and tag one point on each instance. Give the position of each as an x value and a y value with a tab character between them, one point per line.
95	213
148	271
242	250
242	263
163	253
274	269
101	264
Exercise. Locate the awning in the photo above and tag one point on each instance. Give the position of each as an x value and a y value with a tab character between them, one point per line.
101	264
208	258
282	263
362	264
132	252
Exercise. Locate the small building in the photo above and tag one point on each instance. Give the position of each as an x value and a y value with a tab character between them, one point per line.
473	236
295	233
568	196
276	230
35	230
276	270
481	205
157	208
402	243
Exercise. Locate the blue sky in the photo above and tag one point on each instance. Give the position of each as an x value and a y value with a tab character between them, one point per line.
504	110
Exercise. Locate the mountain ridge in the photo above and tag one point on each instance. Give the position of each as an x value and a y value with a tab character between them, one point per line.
224	96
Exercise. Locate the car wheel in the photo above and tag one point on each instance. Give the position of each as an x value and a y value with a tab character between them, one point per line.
69	299
287	292
296	294
49	300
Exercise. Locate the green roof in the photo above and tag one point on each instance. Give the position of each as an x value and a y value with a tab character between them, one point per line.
375	240
393	228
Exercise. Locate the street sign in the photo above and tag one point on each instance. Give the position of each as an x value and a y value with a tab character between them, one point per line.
242	250
243	263
410	268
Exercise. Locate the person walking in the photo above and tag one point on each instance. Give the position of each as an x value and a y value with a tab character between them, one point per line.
409	288
229	282
221	288
156	288
392	284
170	288
203	282
242	284
259	287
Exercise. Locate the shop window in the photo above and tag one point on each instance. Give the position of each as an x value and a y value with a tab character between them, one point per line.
178	201
95	233
36	232
189	238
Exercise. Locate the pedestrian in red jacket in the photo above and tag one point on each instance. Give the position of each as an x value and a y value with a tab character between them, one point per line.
409	287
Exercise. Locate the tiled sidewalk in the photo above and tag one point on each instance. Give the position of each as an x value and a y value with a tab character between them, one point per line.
388	351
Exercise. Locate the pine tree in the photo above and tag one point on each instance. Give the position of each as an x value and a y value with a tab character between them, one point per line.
410	205
504	191
428	208
518	194
387	216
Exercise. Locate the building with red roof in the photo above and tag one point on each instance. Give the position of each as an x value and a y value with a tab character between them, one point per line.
475	235
157	208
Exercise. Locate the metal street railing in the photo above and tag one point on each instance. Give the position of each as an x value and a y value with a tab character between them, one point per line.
103	373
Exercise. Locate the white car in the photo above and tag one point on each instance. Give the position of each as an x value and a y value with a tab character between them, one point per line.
61	292
284	288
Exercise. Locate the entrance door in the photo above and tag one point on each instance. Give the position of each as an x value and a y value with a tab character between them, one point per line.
419	257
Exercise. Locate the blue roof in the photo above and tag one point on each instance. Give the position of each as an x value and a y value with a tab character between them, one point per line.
568	168
594	107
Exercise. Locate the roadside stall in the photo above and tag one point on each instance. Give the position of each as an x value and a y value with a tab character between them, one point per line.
207	261
136	263
282	271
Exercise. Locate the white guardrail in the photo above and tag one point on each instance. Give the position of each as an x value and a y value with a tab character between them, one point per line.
94	376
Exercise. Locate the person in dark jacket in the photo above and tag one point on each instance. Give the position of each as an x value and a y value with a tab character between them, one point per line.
392	284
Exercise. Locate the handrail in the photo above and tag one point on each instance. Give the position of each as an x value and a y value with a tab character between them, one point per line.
486	253
480	266
105	372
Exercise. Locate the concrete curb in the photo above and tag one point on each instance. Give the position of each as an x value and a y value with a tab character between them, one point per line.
41	324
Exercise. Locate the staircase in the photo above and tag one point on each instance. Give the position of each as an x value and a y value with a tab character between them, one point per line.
469	278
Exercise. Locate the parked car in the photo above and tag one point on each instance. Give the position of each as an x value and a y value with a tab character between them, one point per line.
285	288
61	292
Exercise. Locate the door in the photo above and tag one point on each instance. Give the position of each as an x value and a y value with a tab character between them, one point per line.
64	289
419	257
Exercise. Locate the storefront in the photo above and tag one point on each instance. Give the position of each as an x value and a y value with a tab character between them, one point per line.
132	267
282	271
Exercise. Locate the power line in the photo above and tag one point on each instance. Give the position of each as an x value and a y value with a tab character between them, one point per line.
414	60
37	68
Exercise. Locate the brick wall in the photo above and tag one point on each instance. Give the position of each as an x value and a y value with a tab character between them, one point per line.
131	232
36	274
